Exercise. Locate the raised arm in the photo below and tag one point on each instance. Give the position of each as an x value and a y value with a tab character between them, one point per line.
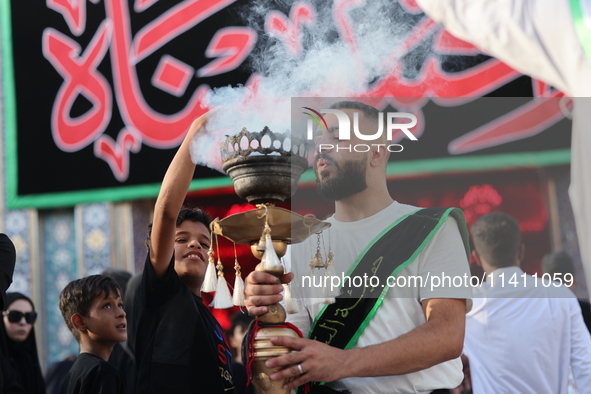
170	200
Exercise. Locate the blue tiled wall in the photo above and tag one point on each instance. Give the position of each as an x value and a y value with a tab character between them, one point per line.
60	267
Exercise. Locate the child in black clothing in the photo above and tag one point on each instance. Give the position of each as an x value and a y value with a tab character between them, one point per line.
180	347
93	311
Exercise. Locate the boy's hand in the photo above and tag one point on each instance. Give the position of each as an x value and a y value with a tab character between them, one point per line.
258	293
199	125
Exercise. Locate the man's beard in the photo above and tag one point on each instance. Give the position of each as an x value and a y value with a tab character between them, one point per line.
348	181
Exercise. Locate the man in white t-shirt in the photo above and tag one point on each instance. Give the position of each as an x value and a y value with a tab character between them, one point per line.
413	342
523	334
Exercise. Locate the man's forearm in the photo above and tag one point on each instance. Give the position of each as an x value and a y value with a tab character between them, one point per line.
439	339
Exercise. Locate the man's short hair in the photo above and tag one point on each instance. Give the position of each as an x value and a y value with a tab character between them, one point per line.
192	214
78	296
558	263
497	239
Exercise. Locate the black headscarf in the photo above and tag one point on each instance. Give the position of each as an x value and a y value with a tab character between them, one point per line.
23	356
7	261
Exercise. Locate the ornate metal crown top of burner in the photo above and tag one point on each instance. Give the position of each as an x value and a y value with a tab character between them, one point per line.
264	166
266	142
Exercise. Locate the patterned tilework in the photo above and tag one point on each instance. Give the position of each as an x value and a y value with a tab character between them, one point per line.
96	242
59	246
17	228
569	240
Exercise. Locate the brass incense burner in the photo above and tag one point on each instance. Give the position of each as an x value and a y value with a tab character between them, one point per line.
265	168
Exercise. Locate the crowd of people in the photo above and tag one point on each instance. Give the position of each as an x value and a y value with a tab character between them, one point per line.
152	333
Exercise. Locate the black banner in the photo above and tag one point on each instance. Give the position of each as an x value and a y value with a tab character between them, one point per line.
98	94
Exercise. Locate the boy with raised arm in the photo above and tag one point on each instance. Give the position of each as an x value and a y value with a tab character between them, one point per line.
180	347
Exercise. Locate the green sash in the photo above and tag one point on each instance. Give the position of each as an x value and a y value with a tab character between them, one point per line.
342	323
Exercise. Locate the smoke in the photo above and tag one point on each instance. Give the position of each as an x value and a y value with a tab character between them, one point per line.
327	49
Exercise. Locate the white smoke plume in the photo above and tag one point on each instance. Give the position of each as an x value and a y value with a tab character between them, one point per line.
324	64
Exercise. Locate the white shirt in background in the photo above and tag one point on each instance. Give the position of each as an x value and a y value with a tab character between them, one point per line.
525	336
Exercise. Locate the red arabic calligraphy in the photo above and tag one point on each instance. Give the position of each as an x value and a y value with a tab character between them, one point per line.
289	30
80	77
160	130
144	124
74	12
228	48
167	26
141	5
115	153
230	45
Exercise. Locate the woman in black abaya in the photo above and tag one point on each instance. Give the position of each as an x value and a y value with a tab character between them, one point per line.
18	346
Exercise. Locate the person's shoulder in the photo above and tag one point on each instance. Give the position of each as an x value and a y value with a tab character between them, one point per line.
108	371
92	361
551	289
406	209
87	360
102	374
85	372
402	209
151	283
531	286
395	211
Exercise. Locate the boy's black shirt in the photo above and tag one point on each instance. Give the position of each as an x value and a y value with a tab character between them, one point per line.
180	347
90	374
